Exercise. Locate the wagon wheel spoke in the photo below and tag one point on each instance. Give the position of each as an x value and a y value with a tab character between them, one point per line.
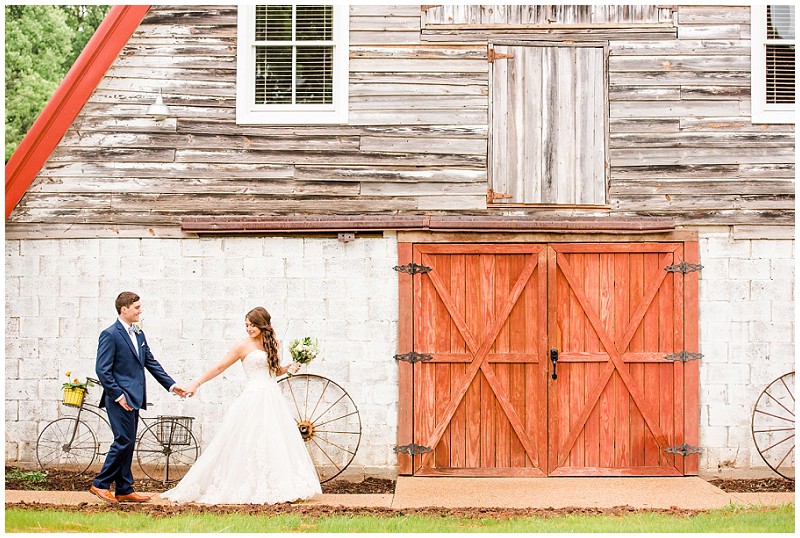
334	444
774	430
317	424
308	387
780	404
779	443
779	417
326	454
324	389
294	399
788	389
329	407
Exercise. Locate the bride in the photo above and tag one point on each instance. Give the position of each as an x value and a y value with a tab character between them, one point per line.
257	455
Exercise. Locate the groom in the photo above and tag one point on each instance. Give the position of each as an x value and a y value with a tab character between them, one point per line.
122	357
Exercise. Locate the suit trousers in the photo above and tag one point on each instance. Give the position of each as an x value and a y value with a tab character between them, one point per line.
117	466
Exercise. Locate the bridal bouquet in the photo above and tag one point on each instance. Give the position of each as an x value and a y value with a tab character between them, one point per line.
304	350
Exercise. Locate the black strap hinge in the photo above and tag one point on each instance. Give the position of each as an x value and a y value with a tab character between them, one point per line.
684	356
412	268
413	357
413	449
683	267
683	450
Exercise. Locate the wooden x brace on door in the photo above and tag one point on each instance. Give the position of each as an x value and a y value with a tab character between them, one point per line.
614	349
479	349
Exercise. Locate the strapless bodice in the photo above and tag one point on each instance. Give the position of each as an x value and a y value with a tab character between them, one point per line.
256	368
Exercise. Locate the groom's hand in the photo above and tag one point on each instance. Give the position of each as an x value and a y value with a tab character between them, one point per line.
180	391
124	403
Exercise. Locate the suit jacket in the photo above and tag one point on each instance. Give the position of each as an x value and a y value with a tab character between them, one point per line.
120	371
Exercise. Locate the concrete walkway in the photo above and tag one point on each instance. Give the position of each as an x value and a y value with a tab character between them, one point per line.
415	492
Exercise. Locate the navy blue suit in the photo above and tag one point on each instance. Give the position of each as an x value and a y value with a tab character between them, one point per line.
121	371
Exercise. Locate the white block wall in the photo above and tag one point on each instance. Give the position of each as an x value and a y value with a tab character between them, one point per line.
195	293
747	328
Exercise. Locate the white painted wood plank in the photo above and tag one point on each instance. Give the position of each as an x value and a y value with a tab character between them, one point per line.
463	146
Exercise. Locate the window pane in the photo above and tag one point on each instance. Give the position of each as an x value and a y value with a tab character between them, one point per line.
314	75
780	74
273	75
315	23
273	23
780	22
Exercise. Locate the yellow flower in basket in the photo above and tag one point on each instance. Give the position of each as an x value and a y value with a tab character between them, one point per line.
76	383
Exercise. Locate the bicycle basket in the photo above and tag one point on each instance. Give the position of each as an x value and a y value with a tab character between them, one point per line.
174	430
74	397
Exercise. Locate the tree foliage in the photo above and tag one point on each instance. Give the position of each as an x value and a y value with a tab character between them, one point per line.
41	44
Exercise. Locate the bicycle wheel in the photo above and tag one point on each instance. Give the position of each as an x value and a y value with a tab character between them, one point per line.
66	443
161	458
773	425
328	421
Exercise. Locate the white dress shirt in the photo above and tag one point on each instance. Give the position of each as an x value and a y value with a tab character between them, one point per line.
132	336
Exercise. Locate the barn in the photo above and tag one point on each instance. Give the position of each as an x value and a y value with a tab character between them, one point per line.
532	240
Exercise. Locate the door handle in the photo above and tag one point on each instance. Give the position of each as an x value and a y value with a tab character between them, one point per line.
554	360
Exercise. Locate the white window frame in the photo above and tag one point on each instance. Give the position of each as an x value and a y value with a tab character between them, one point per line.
761	111
249	113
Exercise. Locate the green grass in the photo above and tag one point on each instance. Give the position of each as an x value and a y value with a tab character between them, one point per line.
732	519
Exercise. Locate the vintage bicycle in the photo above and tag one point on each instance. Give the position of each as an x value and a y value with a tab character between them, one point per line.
165	450
772	425
326	416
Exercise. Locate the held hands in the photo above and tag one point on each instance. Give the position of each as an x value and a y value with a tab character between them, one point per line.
180	391
191	390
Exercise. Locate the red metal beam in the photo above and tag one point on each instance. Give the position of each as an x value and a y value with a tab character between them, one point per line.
486	223
68	100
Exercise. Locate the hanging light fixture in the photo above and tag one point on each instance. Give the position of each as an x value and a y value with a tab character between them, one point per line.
158	109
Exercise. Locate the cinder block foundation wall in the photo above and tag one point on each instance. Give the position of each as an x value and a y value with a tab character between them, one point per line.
195	293
747	328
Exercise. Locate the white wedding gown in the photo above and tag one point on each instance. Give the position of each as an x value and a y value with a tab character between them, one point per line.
257	455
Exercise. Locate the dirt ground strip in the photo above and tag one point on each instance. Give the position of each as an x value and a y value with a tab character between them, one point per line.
55	480
320	511
754	485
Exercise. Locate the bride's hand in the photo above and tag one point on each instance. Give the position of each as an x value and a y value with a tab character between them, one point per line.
191	390
293	368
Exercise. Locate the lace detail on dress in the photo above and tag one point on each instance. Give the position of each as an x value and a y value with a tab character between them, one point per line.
257	454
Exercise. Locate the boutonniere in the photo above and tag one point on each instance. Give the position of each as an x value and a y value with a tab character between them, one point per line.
136	328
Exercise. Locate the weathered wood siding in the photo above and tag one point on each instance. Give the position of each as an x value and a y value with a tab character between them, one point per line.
681	141
680	138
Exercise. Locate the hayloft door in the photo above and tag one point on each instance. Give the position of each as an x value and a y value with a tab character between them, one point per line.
548	124
480	400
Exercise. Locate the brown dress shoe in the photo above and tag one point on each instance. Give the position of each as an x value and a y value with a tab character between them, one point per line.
132	497
104	494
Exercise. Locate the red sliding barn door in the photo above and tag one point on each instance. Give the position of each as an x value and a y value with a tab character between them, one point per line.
614	316
480	401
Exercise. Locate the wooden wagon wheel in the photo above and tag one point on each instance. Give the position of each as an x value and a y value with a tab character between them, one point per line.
773	425
328	421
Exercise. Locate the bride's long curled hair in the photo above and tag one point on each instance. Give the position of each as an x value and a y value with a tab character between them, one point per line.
260	318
